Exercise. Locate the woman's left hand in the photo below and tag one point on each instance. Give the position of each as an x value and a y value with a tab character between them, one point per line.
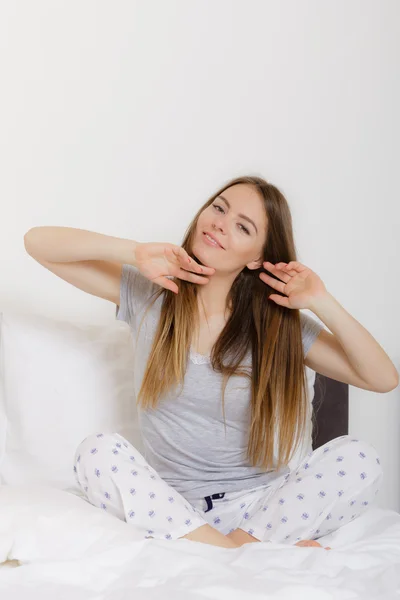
300	285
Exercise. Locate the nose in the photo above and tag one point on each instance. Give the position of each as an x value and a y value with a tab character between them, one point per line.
218	224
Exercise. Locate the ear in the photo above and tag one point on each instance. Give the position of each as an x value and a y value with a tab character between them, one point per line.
255	264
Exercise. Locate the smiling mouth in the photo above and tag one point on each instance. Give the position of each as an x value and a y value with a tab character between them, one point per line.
213	242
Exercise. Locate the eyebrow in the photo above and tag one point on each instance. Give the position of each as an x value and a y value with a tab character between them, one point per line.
240	215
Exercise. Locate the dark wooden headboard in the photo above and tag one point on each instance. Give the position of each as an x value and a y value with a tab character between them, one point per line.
331	410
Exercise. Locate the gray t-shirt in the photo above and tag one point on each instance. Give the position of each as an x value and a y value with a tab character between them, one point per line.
184	437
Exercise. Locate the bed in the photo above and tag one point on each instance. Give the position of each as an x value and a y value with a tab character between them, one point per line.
62	547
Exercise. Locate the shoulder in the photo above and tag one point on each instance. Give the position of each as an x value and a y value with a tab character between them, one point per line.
140	287
136	292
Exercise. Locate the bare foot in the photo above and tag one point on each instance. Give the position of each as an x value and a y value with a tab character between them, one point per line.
311	543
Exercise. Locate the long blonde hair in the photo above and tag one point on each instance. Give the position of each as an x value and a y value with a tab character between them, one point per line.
271	332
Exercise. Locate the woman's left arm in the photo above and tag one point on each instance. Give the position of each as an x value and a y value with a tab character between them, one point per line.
349	353
365	355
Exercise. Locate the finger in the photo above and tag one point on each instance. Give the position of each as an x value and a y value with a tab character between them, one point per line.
274	283
167	284
193	265
281	300
277	272
291	268
285	268
187	262
290	272
177	253
188	276
296	266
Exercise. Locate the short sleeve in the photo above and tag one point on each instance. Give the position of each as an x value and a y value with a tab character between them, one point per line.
135	289
310	328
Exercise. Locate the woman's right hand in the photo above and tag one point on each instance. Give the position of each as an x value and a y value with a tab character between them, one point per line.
156	260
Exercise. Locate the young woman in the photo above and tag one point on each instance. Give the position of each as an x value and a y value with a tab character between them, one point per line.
220	381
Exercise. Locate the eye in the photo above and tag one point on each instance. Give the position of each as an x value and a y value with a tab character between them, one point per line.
240	225
245	229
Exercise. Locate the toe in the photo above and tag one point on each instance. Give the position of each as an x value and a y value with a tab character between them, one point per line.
309	543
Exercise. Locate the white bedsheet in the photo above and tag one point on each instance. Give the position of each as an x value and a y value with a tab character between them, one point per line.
71	550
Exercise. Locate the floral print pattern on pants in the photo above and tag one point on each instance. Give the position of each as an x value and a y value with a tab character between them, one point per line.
332	486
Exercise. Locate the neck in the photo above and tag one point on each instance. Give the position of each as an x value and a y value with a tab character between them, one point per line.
212	296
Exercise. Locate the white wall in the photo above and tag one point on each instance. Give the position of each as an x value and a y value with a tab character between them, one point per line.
123	117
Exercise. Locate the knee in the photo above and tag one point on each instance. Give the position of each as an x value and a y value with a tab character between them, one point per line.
365	452
95	443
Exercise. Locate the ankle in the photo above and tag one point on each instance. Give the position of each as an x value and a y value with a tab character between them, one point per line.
208	535
240	537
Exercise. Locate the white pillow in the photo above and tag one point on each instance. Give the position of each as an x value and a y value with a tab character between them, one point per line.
40	523
60	382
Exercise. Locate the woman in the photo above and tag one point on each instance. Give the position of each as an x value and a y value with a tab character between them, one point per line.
228	329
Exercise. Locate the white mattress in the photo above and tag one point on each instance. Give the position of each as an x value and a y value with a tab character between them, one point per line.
69	549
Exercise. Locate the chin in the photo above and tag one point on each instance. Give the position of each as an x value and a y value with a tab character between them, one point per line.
203	257
197	256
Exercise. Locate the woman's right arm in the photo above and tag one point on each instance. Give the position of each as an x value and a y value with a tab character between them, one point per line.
88	260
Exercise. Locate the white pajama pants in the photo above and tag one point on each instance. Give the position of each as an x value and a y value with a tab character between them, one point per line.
333	485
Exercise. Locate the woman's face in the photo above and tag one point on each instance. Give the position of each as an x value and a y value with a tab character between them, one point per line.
241	238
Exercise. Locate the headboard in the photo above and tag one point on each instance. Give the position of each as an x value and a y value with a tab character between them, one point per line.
331	410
